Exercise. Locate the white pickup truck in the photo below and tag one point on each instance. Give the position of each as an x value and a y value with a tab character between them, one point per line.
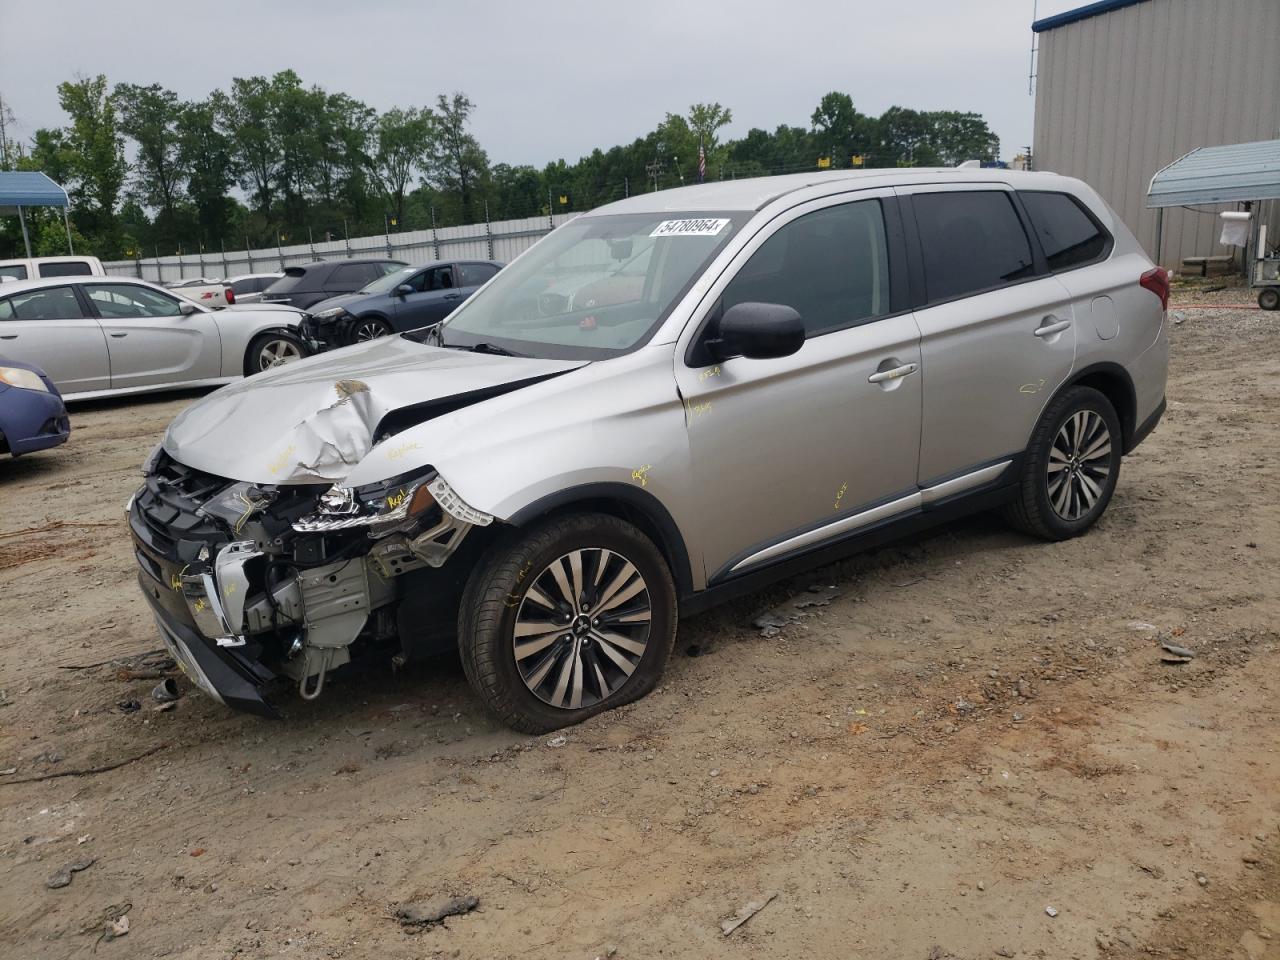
34	268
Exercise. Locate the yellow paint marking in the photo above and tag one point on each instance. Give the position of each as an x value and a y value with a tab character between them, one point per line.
641	474
395	453
840	495
708	373
278	464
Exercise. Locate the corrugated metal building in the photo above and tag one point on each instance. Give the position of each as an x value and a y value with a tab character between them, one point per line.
1125	87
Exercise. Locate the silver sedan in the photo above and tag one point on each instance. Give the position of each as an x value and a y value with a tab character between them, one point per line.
101	336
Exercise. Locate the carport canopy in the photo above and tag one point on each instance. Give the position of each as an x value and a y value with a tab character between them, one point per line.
1230	173
28	188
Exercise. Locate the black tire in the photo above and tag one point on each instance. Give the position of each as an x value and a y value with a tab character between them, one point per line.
363	329
1034	509
495	600
1269	298
279	343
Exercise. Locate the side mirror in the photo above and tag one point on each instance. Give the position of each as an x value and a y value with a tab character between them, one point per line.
186	309
759	331
403	290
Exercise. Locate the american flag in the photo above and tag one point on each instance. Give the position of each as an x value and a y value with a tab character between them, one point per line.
702	162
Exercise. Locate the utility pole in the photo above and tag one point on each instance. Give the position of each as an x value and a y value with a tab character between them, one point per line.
6	118
654	170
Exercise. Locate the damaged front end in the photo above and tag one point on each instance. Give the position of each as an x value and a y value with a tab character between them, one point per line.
249	582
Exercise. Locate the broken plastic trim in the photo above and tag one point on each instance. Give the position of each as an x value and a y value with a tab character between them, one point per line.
336	505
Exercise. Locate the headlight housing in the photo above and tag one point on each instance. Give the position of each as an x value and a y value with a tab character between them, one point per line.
24	379
389	505
153	458
329	314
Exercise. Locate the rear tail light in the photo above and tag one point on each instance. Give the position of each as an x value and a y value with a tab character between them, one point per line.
1157	281
231	295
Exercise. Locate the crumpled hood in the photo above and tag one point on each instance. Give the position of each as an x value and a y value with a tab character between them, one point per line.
312	421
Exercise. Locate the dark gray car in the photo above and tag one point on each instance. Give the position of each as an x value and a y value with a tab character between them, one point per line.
307	284
404	300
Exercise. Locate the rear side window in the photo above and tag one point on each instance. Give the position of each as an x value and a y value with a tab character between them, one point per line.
292	280
388	266
1070	237
971	241
51	303
831	266
67	268
351	276
474	274
13	272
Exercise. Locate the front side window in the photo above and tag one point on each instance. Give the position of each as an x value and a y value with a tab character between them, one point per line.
596	287
439	278
1070	236
971	241
124	301
831	266
51	303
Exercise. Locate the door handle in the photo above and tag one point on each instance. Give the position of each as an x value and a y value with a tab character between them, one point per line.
118	336
895	374
451	296
1052	326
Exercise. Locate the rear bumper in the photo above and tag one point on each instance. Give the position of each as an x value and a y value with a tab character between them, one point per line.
1144	429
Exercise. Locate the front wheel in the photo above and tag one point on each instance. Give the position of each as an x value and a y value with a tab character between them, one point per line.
369	328
268	350
576	616
1071	466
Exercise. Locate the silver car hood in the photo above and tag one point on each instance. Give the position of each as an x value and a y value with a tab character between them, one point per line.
313	421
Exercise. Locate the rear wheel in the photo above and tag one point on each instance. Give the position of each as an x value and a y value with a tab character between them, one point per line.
574	617
1071	466
1269	298
268	350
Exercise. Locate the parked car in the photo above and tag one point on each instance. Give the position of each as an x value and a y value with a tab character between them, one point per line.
31	268
306	285
214	294
32	415
404	300
813	364
249	287
97	336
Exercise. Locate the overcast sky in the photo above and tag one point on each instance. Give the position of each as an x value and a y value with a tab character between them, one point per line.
550	78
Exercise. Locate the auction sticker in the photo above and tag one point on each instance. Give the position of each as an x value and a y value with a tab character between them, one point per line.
690	228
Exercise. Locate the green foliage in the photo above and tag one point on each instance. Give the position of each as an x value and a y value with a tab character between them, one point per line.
321	164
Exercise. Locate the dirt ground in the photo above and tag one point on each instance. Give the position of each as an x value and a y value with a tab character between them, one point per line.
977	732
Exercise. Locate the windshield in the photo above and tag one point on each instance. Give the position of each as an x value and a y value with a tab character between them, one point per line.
596	287
389	282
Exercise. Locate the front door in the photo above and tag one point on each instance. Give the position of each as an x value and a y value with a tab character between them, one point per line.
49	328
790	453
997	333
435	297
149	338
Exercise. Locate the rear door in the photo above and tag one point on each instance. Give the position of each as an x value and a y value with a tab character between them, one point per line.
997	331
49	327
150	340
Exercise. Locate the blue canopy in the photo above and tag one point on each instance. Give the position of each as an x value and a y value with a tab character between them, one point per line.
23	188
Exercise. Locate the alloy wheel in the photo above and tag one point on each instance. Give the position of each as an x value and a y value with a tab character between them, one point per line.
275	353
582	628
1079	465
370	330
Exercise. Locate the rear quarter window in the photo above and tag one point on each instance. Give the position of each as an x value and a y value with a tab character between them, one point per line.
292	280
69	268
1068	233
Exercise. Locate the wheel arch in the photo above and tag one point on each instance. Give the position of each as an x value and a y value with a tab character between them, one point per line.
629	503
275	330
1113	382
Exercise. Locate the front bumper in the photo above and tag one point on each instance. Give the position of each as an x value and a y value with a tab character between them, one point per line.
32	420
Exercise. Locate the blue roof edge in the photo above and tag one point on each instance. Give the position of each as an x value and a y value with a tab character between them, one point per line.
1081	13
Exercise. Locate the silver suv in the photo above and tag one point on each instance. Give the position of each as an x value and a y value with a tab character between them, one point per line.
667	401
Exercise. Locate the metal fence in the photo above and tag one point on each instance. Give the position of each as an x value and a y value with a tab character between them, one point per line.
503	240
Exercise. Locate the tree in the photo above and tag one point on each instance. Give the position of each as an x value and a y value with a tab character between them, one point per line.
705	119
207	155
841	130
149	116
456	161
96	154
246	117
403	141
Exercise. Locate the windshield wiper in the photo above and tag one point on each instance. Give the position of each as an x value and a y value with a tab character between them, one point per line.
493	348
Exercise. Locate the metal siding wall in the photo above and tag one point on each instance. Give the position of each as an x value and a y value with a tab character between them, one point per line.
1123	94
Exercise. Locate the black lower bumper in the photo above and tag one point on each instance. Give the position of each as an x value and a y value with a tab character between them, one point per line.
1144	429
230	674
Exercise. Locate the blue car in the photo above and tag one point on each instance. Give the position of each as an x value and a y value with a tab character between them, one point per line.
32	415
